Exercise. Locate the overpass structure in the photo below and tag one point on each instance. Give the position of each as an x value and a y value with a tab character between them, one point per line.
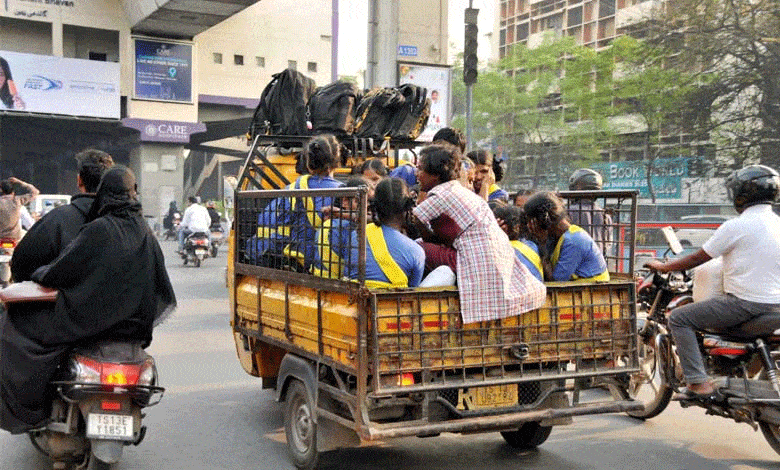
179	19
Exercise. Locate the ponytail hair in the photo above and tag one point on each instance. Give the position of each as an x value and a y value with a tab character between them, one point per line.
391	198
322	153
545	208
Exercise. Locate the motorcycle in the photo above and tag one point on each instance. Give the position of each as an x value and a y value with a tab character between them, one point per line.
217	237
172	231
196	248
98	397
7	246
742	361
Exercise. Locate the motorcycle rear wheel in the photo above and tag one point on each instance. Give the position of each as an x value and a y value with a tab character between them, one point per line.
649	384
97	464
771	434
528	436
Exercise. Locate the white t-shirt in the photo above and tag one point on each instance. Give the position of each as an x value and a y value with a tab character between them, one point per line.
196	219
750	246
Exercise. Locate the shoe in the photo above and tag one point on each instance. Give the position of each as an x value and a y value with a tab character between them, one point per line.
686	394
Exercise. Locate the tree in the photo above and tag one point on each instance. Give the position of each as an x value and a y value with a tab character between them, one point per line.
548	104
736	44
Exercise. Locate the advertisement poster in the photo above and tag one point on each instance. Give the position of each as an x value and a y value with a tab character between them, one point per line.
55	85
163	71
437	80
666	176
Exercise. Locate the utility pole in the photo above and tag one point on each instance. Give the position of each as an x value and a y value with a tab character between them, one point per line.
470	65
383	17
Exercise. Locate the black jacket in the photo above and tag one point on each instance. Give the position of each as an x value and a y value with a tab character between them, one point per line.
49	236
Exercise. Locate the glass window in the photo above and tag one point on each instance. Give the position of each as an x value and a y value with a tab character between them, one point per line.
260	61
312	67
238	59
292	64
217	57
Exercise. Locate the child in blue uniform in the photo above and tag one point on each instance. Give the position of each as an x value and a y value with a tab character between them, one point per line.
572	252
392	258
510	219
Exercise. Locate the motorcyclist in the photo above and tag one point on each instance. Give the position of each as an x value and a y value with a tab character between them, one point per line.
168	219
196	219
49	236
112	284
10	207
586	213
216	219
750	247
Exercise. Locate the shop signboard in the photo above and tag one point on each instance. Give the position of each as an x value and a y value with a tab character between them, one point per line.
666	176
56	85
163	71
437	79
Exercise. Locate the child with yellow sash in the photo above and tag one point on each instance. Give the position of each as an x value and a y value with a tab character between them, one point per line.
573	253
510	218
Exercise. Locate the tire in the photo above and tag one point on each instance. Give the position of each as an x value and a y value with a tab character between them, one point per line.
214	251
649	384
771	434
197	262
97	464
300	428
528	436
186	259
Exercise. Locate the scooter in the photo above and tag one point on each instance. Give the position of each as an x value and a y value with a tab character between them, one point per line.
742	361
98	401
196	248
170	232
217	237
7	246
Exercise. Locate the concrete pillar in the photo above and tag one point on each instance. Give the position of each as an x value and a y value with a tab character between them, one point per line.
383	22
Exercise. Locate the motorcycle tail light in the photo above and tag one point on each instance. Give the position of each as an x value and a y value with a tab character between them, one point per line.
7	243
107	405
87	370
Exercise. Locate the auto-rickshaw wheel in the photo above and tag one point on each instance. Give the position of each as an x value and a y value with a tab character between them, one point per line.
300	428
529	435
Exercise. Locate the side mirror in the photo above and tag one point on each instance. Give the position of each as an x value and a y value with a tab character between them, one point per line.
672	240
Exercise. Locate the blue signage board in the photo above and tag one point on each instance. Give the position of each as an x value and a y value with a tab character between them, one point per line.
666	176
407	51
163	71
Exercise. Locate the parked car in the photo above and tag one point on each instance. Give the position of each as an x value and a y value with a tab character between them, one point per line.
43	203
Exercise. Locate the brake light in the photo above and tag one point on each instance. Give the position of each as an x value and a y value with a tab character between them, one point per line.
7	243
405	379
91	371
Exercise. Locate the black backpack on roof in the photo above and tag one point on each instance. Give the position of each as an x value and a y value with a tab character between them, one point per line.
376	111
411	118
282	107
333	108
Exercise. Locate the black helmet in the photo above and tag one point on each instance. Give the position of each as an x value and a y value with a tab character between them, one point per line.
754	184
585	179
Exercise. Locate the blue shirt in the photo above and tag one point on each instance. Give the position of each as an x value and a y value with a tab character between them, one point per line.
407	253
533	268
406	172
580	257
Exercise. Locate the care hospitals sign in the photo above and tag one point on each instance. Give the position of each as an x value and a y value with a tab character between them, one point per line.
55	85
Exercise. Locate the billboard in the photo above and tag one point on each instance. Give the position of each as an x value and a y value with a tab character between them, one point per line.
437	79
666	176
163	71
56	85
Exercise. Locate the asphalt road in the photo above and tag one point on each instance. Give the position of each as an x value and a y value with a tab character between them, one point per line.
215	416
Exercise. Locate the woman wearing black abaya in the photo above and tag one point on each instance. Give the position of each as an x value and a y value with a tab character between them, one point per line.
112	284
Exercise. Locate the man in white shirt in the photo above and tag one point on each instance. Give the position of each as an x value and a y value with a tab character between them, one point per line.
196	219
750	247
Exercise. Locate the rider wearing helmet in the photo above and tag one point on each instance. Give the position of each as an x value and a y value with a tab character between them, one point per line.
750	247
586	213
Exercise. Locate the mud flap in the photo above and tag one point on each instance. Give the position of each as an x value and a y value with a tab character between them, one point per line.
107	451
556	400
332	436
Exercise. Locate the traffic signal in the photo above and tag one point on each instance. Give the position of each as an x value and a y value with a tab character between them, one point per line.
470	61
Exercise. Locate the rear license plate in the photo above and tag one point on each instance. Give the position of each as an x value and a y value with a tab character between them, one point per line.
496	396
5	258
114	427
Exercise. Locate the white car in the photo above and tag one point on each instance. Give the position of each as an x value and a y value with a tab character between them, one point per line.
43	203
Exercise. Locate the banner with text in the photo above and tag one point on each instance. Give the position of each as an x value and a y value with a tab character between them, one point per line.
55	85
437	80
666	176
163	71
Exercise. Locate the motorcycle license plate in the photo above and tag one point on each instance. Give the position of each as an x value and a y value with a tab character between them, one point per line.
200	251
5	258
496	396
113	427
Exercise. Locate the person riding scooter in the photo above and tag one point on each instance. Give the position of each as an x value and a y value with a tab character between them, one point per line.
196	219
112	285
750	247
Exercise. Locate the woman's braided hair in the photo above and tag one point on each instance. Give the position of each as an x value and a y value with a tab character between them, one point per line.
322	152
546	208
391	198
